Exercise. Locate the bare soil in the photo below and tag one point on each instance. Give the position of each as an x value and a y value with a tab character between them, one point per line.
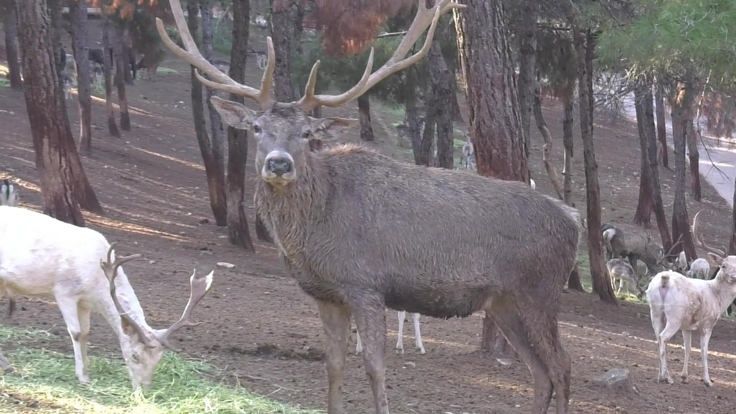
262	331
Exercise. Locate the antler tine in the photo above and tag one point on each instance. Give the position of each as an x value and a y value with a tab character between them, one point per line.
701	241
398	61
195	58
199	288
679	240
111	272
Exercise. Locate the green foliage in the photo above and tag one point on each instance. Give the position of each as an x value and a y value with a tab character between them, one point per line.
4	83
676	37
46	378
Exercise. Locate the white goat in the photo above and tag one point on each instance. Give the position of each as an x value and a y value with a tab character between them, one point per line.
400	341
44	257
8	195
678	303
699	269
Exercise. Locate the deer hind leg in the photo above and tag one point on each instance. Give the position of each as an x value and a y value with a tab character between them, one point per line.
336	322
511	323
400	340
69	310
370	316
418	334
84	315
687	337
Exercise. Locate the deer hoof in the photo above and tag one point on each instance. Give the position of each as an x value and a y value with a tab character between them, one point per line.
708	383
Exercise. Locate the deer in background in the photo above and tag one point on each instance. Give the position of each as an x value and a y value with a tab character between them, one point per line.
8	194
635	247
400	341
361	231
44	257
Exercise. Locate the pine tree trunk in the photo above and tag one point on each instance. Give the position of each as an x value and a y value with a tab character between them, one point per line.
494	122
528	69
284	15
11	45
652	138
78	14
52	140
567	142
442	92
681	108
585	46
237	139
216	175
117	46
364	110
661	126
127	51
425	156
643	214
732	243
214	172
413	126
694	156
112	125
554	178
56	32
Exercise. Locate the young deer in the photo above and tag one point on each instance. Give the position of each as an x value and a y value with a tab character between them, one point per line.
361	232
622	271
44	257
8	194
400	341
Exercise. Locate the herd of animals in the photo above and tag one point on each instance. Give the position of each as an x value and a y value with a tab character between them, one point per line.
352	229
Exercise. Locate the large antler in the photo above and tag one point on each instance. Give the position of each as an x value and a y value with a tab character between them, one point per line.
701	241
424	18
221	82
111	271
199	288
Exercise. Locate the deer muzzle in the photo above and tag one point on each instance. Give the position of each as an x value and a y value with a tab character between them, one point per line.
278	167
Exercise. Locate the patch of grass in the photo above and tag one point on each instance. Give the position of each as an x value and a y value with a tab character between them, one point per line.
45	382
166	71
4	83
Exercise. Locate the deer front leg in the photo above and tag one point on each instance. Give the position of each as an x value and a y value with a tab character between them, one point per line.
69	311
336	322
400	341
371	320
704	339
418	334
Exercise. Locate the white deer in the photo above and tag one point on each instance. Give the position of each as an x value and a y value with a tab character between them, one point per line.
44	257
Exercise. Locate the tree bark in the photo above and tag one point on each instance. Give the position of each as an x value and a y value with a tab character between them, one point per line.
52	141
56	33
651	134
214	172
694	156
661	126
112	125
120	66
527	73
494	121
127	51
643	214
554	178
568	104
681	108
237	139
78	13
413	126
284	16
364	110
11	45
440	110
585	45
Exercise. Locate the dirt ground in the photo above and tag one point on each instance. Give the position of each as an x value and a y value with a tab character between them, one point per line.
262	331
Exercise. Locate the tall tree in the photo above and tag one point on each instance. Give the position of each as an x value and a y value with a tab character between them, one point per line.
661	125
652	139
218	189
120	65
11	44
440	95
694	158
585	46
364	112
547	148
112	125
52	137
681	103
237	139
494	121
528	66
78	14
284	30
644	207
215	173
732	243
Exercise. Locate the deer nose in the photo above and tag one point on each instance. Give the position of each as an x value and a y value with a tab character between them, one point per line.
279	166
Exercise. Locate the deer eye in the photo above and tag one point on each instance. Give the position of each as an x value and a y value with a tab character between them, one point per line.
306	134
134	357
256	128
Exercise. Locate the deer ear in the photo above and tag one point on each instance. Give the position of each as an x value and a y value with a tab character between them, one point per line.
325	128
715	258
233	114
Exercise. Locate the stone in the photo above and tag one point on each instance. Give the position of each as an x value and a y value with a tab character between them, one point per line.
616	379
225	265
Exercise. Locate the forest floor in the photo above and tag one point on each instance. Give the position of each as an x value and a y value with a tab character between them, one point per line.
264	333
